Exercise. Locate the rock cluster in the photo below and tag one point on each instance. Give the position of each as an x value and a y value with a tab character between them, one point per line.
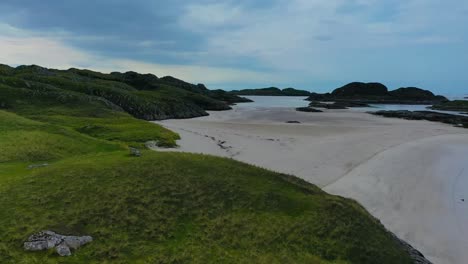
63	244
377	93
457	120
308	109
271	91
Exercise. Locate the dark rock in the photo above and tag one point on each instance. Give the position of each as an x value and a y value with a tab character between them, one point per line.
456	105
415	255
63	244
458	120
135	152
272	91
335	106
362	94
293	122
308	109
319	97
415	94
227	97
359	89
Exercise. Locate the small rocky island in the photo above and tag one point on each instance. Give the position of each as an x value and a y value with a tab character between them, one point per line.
272	91
376	93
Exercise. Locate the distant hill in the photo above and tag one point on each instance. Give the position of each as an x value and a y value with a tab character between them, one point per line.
378	93
272	91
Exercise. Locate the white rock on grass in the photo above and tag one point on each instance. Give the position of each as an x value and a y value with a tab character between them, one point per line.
63	244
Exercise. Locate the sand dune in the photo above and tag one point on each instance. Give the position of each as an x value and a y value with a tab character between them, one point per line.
404	172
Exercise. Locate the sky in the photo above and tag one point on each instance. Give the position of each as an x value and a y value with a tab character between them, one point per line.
316	45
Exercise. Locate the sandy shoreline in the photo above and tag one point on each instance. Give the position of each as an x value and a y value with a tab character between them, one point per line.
393	167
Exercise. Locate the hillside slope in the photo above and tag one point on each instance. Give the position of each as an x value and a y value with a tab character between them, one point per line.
144	96
161	207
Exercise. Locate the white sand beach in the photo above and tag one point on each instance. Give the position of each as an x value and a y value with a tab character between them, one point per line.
412	175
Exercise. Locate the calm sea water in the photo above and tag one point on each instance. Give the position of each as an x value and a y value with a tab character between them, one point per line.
299	101
275	101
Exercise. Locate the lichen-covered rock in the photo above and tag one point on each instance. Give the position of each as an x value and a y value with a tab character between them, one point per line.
75	242
135	152
63	250
151	144
48	239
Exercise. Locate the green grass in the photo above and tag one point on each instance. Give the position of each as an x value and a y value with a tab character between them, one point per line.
23	139
119	128
176	208
161	207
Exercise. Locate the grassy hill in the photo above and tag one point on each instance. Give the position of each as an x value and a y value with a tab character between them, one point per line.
162	207
144	96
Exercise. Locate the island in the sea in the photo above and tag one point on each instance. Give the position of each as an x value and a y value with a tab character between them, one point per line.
377	93
271	91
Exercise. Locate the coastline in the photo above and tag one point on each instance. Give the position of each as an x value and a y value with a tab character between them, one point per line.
326	149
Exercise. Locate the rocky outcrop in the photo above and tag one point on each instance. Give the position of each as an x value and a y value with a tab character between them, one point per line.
308	109
143	96
457	105
63	244
272	91
457	120
415	255
377	93
361	89
413	93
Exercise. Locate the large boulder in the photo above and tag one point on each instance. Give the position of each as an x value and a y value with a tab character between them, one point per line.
48	239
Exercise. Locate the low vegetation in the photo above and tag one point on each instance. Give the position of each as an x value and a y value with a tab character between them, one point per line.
161	207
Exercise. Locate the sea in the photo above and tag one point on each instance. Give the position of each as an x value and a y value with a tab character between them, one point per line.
299	101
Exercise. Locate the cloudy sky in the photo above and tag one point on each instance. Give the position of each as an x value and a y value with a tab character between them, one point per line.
309	44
